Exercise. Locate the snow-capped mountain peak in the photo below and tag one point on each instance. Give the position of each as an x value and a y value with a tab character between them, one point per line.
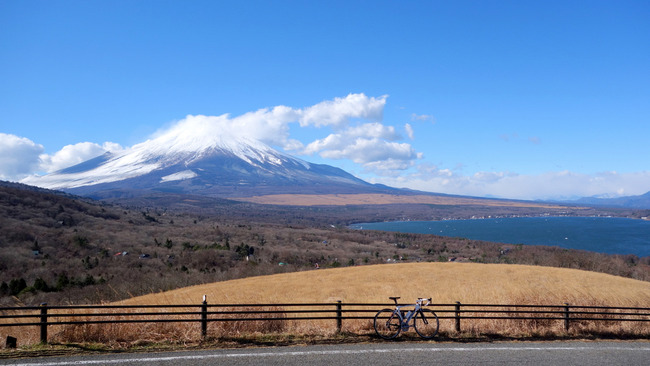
199	158
196	134
177	146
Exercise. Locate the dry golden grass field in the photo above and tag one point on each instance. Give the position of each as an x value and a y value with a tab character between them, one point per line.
382	199
446	283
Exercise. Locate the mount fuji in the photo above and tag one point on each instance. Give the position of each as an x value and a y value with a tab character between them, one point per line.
204	163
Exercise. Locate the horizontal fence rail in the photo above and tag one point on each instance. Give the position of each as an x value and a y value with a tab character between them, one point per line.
45	316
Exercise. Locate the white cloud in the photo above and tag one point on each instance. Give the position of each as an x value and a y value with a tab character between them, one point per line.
365	143
71	155
372	145
271	125
374	130
339	111
550	185
422	117
389	167
365	151
293	145
409	131
357	119
19	157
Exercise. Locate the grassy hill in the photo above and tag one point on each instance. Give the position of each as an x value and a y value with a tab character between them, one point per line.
444	282
469	283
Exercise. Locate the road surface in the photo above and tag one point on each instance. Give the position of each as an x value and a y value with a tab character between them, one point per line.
378	354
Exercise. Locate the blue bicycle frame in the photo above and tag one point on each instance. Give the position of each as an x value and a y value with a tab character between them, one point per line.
404	319
389	323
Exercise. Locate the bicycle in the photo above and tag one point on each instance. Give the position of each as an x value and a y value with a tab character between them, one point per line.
390	322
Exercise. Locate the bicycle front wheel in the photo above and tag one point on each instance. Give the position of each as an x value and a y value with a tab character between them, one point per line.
387	324
426	323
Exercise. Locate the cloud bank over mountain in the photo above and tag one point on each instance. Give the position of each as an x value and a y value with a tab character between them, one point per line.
557	185
346	129
355	121
358	132
21	157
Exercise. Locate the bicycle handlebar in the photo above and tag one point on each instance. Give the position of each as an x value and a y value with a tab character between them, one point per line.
419	301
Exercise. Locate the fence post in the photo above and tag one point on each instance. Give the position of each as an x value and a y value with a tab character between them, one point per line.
566	316
458	316
44	322
339	316
204	317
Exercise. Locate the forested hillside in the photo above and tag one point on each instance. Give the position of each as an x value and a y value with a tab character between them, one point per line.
64	249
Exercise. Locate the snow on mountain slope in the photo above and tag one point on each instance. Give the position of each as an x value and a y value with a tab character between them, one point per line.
185	174
199	159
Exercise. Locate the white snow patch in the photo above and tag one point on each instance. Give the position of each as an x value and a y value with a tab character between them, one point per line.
191	140
185	174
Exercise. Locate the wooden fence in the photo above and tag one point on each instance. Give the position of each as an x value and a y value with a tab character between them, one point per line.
45	316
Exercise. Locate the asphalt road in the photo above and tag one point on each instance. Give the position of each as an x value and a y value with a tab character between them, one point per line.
389	353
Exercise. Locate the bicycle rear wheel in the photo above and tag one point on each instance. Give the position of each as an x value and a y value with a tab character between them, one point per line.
387	324
426	323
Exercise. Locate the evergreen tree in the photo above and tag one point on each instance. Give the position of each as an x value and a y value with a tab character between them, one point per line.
62	281
41	285
15	286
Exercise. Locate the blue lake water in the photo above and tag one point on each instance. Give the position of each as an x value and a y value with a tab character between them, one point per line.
610	235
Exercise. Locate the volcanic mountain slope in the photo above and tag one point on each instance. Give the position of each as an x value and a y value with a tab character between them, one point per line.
638	202
206	164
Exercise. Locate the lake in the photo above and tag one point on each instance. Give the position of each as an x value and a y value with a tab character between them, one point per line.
612	235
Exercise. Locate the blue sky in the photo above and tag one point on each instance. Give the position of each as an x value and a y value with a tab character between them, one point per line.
512	99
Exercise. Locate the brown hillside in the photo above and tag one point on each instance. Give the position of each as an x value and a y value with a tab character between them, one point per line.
63	249
384	199
444	282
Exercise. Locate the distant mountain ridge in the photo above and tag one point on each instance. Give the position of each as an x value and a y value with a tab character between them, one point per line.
639	202
214	165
